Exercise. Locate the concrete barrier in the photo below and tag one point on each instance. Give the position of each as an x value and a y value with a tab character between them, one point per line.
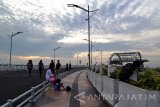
131	96
98	82
120	94
110	90
106	86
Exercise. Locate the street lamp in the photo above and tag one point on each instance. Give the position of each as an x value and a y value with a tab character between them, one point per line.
55	52
12	35
88	11
77	58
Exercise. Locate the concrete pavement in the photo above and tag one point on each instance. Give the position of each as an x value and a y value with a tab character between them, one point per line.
82	94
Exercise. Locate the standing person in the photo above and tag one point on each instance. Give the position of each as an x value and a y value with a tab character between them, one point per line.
66	66
51	66
58	65
29	66
41	67
69	65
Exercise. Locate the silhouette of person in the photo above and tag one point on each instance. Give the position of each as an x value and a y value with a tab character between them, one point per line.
66	66
58	65
41	67
69	65
29	66
51	66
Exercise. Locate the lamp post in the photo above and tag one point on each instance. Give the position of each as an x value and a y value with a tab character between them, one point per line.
12	35
55	52
77	58
88	11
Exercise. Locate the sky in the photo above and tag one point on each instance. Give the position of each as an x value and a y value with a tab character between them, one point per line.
118	26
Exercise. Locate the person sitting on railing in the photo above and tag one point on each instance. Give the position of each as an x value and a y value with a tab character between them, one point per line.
57	83
49	74
54	80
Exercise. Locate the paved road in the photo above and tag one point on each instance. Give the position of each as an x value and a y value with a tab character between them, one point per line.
15	83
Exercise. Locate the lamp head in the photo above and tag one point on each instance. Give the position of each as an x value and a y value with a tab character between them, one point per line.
85	39
16	34
57	48
19	32
71	5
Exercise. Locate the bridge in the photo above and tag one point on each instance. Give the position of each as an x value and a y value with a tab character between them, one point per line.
80	87
89	88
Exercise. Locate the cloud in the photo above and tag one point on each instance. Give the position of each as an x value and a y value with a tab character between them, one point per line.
124	25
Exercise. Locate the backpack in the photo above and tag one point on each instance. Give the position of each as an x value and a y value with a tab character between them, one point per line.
68	88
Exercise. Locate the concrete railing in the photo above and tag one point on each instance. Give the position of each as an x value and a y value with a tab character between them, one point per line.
120	94
131	96
107	87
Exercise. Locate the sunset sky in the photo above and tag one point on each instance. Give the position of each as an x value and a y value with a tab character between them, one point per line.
118	26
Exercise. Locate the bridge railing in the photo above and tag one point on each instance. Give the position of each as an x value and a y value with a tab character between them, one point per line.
15	67
33	92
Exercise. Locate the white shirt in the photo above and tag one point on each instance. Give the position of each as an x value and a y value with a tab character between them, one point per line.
48	74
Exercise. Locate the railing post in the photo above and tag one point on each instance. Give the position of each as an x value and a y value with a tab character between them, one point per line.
32	94
12	68
10	102
24	67
4	67
43	91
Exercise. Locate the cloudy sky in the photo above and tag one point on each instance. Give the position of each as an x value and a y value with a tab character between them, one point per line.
119	26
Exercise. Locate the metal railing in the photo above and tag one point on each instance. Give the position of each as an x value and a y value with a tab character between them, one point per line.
34	91
15	67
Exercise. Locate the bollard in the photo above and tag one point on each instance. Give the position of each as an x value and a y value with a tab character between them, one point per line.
10	102
32	95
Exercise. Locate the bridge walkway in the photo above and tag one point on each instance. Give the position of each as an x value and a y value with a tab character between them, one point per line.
82	94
